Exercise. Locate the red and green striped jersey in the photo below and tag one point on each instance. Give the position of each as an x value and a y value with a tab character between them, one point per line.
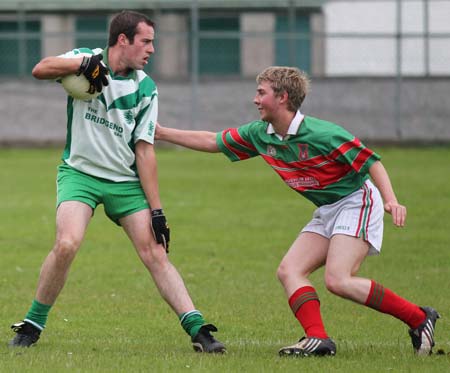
322	161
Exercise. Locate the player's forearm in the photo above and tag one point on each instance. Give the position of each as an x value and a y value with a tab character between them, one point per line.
381	179
198	140
148	174
55	67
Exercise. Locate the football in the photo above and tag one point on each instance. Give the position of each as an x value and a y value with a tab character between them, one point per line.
77	86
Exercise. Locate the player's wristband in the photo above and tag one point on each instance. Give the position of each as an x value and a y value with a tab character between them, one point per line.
83	65
157	212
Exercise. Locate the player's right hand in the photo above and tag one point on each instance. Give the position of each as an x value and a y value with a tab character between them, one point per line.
95	72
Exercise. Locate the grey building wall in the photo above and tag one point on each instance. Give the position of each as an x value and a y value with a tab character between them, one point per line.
33	112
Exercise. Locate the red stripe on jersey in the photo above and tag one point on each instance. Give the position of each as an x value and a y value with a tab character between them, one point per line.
361	159
344	148
283	164
234	133
312	162
324	175
241	155
317	160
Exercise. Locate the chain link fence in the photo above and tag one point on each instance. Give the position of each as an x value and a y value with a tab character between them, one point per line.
380	68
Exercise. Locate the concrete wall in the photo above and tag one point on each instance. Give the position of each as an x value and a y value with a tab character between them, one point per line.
172	46
59	31
33	112
257	52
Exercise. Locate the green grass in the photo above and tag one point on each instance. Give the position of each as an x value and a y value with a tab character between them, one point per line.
231	225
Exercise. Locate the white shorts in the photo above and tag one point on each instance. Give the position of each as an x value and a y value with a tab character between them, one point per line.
360	214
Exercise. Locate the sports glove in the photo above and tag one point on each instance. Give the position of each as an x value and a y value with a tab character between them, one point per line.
95	72
160	228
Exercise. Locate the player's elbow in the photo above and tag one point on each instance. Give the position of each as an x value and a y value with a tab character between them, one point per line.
211	144
212	148
48	68
38	71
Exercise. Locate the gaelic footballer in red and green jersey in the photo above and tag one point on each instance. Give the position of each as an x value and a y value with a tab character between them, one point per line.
319	159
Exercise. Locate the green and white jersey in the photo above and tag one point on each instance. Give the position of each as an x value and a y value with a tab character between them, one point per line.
102	132
319	159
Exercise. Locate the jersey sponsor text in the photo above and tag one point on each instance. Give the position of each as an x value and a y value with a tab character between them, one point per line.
118	130
299	182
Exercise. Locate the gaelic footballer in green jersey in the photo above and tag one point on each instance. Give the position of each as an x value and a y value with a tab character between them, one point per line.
110	159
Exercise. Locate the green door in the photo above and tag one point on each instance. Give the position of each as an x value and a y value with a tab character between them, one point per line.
92	32
19	53
219	56
295	52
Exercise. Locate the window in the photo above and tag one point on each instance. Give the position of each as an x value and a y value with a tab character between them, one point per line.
219	55
297	51
92	32
19	52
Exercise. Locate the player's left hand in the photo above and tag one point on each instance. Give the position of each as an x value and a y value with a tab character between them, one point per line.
157	131
397	211
160	228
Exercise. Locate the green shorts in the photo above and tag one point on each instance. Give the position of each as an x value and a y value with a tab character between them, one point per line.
119	198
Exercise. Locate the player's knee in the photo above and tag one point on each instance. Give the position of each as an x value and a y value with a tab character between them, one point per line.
153	255
66	248
282	272
336	284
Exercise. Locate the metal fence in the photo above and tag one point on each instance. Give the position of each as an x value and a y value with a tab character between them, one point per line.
371	62
341	38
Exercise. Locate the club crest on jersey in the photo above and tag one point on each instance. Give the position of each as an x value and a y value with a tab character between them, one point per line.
303	152
271	151
129	117
151	128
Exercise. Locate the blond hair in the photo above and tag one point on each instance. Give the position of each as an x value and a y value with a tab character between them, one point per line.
291	80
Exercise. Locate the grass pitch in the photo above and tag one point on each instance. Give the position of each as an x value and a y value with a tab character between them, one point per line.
231	225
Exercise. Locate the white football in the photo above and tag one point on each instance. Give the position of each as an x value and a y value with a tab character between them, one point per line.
77	86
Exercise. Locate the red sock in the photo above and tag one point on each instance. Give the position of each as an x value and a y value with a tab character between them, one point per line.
386	301
306	307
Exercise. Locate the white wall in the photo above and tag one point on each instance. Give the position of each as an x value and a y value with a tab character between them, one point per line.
361	55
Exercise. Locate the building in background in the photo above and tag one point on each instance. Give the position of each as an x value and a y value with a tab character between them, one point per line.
238	38
235	38
379	67
387	37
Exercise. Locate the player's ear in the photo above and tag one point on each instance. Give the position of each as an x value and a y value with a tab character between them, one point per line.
284	97
122	39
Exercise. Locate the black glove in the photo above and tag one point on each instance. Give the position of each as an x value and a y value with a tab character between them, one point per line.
95	72
160	228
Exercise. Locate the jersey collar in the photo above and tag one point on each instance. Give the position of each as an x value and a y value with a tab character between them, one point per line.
131	75
293	127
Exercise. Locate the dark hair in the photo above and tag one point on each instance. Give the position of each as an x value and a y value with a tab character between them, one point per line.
126	23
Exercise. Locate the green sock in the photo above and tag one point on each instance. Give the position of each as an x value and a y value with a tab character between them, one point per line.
38	313
191	322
